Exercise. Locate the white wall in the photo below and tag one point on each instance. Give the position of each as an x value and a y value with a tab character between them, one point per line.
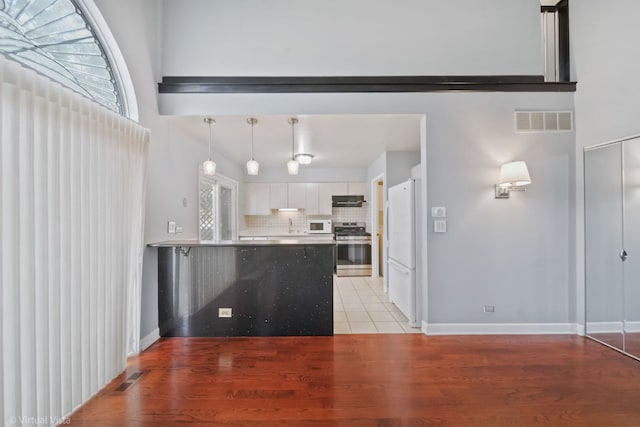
175	150
607	100
357	37
514	254
399	164
379	166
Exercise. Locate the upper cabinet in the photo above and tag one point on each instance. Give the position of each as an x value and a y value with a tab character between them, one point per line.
314	198
279	196
297	195
256	199
292	195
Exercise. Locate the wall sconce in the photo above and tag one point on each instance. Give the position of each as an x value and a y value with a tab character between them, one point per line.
514	176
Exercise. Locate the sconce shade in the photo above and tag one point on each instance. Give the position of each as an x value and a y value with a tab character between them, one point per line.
514	174
209	167
252	167
292	167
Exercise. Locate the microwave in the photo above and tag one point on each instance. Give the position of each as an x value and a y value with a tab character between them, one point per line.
319	226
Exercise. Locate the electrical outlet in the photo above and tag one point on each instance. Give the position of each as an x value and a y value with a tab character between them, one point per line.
489	309
178	229
171	227
225	312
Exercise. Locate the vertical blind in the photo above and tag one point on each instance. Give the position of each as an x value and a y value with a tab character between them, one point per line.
71	222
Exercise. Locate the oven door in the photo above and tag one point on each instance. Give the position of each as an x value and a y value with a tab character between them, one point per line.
353	258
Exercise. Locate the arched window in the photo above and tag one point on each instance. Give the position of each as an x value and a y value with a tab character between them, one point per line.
61	39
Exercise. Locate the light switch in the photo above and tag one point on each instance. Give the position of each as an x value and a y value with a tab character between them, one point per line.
438	212
440	226
171	227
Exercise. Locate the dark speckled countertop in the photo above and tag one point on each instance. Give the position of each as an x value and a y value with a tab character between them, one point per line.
282	242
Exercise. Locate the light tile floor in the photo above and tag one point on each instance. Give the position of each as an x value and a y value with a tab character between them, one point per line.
360	306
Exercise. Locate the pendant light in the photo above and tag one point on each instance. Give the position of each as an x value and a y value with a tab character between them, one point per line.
209	166
252	165
293	165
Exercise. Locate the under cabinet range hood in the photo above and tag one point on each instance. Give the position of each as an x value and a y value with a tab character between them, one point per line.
348	201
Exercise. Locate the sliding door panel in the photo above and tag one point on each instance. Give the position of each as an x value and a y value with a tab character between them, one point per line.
603	244
631	150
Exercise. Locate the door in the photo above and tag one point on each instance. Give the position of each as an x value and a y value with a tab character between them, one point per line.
353	256
402	290
401	224
226	211
604	219
631	227
380	230
218	207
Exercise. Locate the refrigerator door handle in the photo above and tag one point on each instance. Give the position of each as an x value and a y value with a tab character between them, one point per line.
386	216
399	267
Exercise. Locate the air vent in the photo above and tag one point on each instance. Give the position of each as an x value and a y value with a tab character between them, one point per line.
544	121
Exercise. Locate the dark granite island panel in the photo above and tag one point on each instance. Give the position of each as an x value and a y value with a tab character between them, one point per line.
278	289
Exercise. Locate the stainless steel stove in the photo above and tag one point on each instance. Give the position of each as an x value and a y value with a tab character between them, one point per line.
353	249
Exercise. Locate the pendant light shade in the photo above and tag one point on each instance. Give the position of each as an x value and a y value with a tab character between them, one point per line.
252	165
293	165
209	166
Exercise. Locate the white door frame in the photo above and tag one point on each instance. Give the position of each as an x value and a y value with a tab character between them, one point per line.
375	206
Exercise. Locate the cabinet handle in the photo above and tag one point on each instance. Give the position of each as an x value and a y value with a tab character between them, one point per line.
623	255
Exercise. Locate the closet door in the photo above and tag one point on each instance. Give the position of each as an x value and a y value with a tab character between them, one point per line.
631	160
604	220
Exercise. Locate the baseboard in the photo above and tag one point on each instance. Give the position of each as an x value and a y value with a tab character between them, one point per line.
613	327
152	337
630	326
604	327
499	328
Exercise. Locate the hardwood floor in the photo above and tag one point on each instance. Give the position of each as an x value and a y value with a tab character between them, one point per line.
372	380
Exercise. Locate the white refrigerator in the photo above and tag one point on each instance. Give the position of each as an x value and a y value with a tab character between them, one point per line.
404	243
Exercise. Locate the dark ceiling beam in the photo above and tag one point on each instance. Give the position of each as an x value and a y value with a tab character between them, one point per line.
360	84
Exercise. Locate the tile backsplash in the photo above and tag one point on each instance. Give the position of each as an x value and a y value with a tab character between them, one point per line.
280	220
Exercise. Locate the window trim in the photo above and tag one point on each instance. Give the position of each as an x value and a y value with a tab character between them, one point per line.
114	57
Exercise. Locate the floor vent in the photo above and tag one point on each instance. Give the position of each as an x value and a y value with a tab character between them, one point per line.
123	386
135	376
544	121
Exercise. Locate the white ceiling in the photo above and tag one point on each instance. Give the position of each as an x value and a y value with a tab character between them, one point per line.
336	141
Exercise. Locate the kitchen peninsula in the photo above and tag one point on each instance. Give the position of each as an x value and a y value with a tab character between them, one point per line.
245	288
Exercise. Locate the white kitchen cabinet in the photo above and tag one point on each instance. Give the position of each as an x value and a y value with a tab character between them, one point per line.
256	199
279	196
325	191
297	195
312	199
359	189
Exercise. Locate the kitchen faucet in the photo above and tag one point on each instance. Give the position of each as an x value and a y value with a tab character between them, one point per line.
290	225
